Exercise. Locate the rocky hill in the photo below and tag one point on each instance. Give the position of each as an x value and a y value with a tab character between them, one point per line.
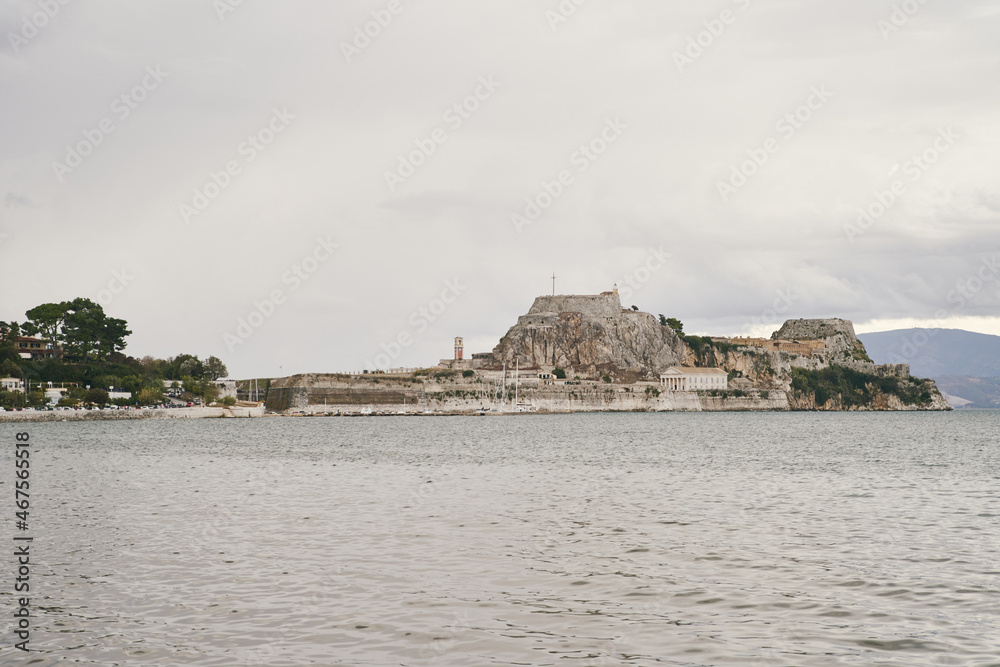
937	353
591	335
970	392
613	359
837	333
964	364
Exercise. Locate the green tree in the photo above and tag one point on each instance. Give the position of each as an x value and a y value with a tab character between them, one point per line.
675	324
132	383
150	396
9	330
46	321
229	401
97	396
105	382
209	392
7	350
88	331
663	320
185	366
12	399
559	373
215	369
9	369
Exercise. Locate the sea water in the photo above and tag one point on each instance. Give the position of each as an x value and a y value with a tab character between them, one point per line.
766	539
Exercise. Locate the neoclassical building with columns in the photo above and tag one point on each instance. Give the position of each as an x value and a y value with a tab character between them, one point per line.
691	378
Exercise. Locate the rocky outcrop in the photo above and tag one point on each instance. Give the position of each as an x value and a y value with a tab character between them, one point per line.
841	341
815	329
880	401
613	359
590	335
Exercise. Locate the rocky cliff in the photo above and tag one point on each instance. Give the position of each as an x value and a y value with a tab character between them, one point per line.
613	359
590	335
837	333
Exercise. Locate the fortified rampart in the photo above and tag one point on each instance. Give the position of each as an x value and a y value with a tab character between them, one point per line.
813	329
613	360
446	392
598	306
589	334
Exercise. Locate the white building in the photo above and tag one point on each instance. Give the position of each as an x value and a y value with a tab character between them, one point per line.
53	394
12	384
226	388
690	378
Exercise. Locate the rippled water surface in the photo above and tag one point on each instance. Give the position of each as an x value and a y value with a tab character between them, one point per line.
571	540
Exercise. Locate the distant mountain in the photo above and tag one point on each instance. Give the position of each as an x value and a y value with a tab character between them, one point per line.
936	353
965	365
966	392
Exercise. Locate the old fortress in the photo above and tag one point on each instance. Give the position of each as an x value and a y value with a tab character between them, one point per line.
572	353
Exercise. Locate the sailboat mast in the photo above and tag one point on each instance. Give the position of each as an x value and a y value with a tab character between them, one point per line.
503	389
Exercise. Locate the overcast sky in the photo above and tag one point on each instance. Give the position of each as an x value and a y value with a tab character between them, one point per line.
711	158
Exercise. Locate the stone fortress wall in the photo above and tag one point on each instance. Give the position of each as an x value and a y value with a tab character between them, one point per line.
814	329
612	359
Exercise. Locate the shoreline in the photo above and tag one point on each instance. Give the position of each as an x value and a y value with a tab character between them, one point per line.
257	413
128	415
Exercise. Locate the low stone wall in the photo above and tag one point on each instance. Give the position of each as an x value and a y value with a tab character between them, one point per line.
565	398
776	401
